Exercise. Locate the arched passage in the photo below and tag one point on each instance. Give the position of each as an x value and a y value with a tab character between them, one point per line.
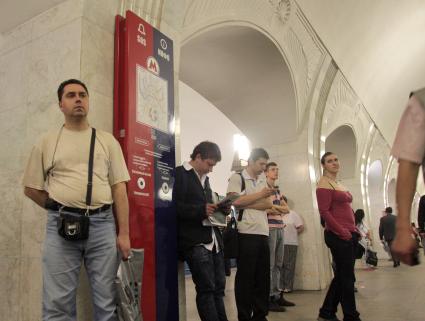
376	204
234	80
342	142
391	193
242	75
374	188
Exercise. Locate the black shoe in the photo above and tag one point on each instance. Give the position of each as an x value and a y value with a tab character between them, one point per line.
275	307
323	319
284	303
395	264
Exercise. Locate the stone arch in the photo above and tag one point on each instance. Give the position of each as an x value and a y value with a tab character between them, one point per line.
241	71
375	187
281	21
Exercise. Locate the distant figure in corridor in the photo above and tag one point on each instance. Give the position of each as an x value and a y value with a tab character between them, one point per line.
387	232
341	236
199	243
409	149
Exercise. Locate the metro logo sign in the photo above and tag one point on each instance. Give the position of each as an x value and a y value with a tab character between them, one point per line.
153	65
143	124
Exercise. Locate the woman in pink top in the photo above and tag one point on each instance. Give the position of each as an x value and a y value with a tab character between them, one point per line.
341	237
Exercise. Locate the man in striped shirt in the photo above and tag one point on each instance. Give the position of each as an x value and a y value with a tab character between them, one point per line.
275	220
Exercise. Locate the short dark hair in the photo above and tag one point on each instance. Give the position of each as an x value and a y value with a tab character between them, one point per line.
61	87
258	153
323	158
207	150
389	210
270	164
359	216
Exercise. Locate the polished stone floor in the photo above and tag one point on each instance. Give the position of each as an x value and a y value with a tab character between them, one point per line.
385	294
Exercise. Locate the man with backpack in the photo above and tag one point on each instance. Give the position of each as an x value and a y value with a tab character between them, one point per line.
252	282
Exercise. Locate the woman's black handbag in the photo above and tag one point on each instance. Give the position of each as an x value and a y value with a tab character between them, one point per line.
371	258
358	251
230	239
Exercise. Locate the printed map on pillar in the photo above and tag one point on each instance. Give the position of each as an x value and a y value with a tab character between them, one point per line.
144	125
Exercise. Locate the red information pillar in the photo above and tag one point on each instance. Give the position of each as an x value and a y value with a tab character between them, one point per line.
143	124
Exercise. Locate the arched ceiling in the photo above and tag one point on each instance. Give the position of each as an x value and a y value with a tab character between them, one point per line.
375	178
379	46
242	73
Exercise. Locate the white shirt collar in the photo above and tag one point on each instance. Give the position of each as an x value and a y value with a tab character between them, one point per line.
189	167
246	175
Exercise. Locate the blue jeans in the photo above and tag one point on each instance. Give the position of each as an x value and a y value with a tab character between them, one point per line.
62	261
276	260
207	270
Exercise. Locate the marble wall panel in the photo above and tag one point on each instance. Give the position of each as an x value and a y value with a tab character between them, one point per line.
33	227
9	285
97	58
12	136
30	289
56	17
101	111
11	79
10	214
16	38
294	181
53	58
297	146
102	13
308	266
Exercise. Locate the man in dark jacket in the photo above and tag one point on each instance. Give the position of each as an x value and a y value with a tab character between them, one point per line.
387	231
200	244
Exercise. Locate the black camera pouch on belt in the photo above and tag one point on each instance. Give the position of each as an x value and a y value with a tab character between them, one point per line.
76	227
73	227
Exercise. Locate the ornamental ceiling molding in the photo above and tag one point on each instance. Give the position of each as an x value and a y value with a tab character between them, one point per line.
344	108
328	73
306	54
342	101
149	10
379	150
198	11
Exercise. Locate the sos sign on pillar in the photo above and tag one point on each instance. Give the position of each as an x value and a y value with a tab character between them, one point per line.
144	126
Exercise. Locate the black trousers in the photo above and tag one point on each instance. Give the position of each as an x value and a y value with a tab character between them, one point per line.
341	290
395	259
252	281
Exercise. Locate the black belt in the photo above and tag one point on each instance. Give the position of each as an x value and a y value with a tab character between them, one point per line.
55	206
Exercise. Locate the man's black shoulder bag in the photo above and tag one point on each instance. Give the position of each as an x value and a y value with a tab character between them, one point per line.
76	227
230	233
240	214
